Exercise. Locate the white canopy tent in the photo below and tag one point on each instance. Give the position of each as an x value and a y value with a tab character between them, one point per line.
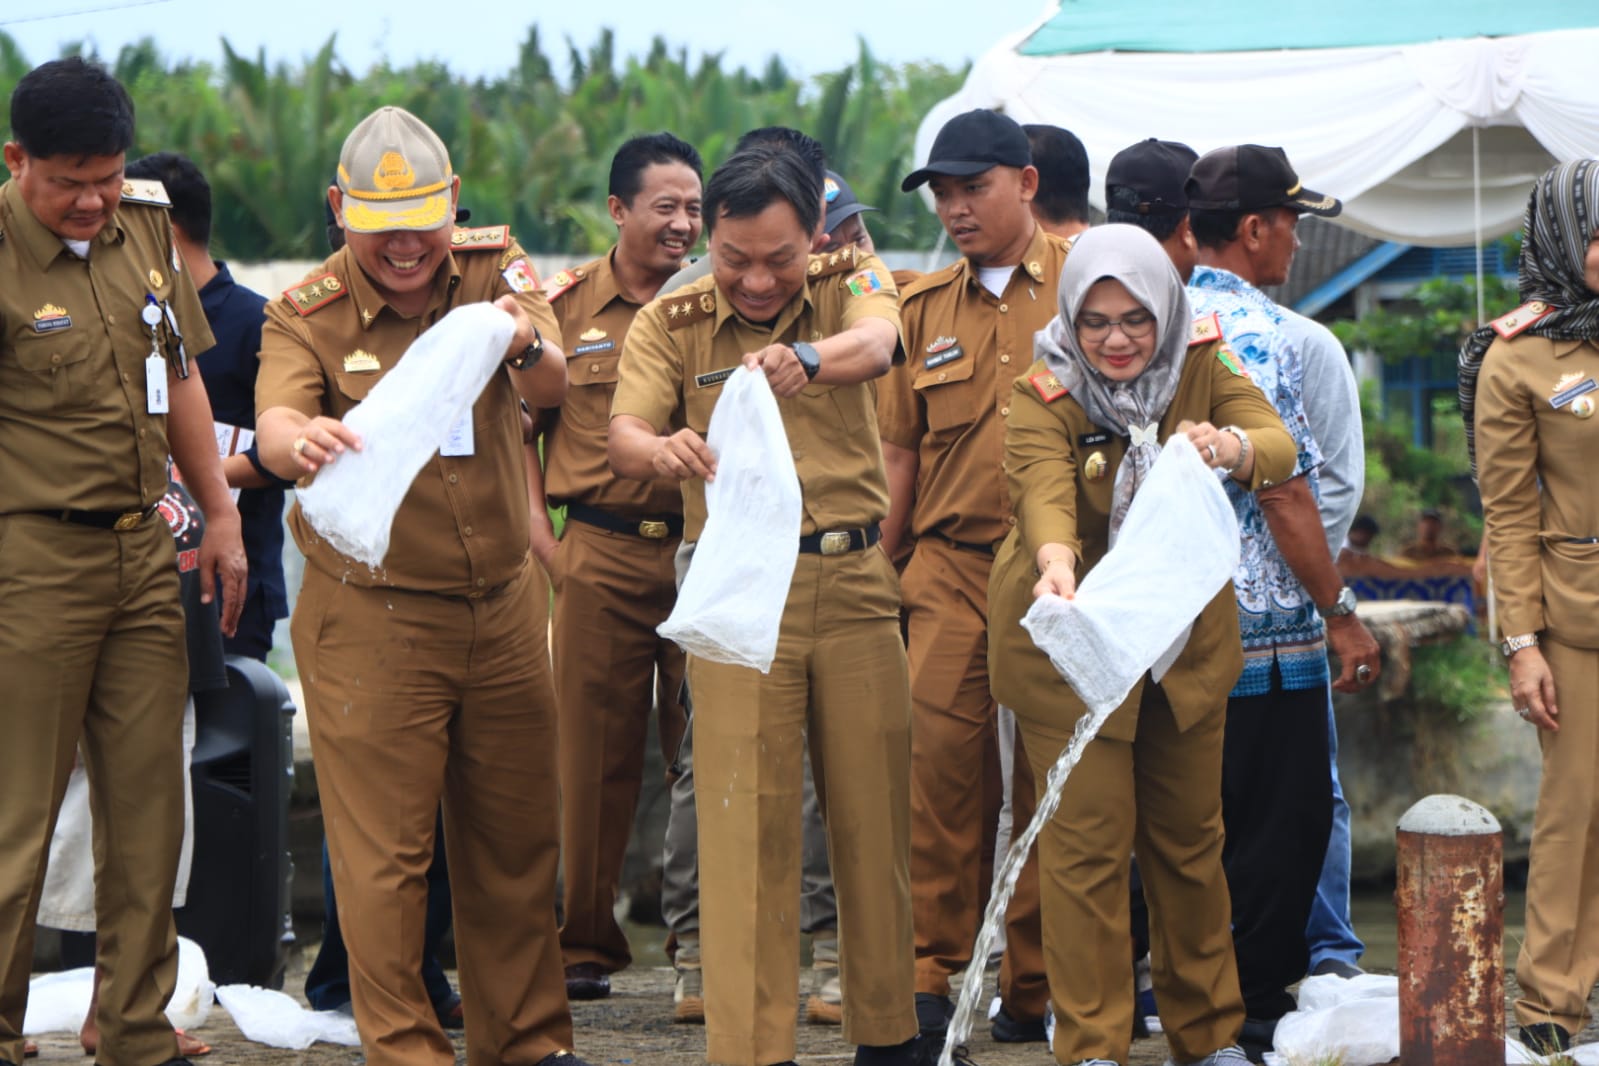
1409	135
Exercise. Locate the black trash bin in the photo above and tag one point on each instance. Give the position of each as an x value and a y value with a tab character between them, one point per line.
242	774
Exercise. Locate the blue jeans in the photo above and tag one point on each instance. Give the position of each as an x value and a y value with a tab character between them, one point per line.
1329	933
327	985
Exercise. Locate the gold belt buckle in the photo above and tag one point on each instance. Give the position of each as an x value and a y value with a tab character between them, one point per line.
836	543
128	520
653	529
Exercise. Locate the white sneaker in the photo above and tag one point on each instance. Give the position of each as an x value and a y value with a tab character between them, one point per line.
1227	1056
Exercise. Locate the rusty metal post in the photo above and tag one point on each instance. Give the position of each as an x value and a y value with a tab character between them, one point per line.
1451	901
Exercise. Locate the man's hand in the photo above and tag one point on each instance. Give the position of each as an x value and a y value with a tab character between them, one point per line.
321	441
222	560
1057	570
783	370
1532	689
684	455
1350	640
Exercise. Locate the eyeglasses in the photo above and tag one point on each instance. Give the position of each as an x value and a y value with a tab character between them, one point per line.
1134	324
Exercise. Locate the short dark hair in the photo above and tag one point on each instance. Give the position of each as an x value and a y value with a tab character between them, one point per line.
71	107
806	146
187	188
1215	227
638	154
1365	523
759	176
1063	178
1121	205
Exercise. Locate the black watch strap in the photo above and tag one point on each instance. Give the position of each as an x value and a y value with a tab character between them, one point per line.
528	356
808	357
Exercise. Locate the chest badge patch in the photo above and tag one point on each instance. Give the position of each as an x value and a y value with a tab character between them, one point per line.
359	362
156	280
1582	406
51	318
595	334
1572	387
941	351
1095	467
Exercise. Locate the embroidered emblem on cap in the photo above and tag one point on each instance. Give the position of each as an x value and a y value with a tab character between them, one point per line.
393	173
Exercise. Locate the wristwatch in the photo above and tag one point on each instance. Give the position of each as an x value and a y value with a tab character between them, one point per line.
1343	605
1510	645
808	358
527	356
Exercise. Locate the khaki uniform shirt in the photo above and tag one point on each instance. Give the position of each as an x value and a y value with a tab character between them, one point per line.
1062	473
462	529
682	348
1537	440
594	318
75	425
964	349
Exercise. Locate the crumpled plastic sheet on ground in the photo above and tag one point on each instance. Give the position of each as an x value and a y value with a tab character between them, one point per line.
730	607
1177	547
1356	1023
277	1020
402	422
57	1002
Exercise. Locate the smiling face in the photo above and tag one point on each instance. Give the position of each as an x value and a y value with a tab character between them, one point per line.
73	196
760	260
1108	347
662	223
987	215
400	263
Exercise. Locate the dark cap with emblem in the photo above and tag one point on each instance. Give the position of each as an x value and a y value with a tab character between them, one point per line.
1251	177
841	202
972	143
1154	172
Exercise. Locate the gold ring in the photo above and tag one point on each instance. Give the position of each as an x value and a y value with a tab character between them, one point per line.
299	445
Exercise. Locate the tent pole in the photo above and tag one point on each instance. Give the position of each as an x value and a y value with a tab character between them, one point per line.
1476	204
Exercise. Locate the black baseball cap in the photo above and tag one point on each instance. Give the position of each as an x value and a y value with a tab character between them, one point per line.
972	143
841	202
1248	177
1155	171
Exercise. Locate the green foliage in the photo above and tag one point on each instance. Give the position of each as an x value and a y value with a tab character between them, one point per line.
533	150
1457	679
1433	322
1402	479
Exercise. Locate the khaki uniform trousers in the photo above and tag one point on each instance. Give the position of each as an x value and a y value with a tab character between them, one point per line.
1559	959
839	684
1161	797
955	775
92	647
412	696
611	669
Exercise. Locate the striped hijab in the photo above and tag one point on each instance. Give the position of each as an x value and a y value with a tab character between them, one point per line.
1562	216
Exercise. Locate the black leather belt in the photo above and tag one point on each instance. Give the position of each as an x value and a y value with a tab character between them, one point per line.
121	521
1580	540
967	546
840	541
648	528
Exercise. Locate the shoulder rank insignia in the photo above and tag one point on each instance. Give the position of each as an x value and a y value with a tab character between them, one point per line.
823	265
1519	320
315	294
143	191
472	240
560	281
694	307
1205	330
1048	386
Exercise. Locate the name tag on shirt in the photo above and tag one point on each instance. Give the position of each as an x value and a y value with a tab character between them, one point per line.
460	441
1089	440
155	385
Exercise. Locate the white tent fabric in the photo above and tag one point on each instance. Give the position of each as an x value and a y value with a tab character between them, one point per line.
1386	129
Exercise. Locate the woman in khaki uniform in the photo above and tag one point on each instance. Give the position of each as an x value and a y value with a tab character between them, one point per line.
1119	361
1536	439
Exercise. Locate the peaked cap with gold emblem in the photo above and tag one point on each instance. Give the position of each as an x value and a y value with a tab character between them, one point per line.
395	173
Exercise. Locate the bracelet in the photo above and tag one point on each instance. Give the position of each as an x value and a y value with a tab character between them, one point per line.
1243	448
1510	645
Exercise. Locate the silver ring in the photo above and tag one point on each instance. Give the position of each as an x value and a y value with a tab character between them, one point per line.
1363	673
1213	452
1525	712
299	445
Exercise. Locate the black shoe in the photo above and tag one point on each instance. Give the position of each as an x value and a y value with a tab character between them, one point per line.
933	1013
561	1058
587	980
450	1014
1258	1037
1338	968
1545	1037
1007	1030
917	1051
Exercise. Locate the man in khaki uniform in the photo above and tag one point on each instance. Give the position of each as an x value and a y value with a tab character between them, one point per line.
969	329
821	328
426	677
92	646
612	567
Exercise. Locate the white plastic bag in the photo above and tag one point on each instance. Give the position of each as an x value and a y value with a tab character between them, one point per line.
276	1020
1177	547
730	607
1355	1021
58	1002
402	422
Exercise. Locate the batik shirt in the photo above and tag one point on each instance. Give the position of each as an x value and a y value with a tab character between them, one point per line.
1276	618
